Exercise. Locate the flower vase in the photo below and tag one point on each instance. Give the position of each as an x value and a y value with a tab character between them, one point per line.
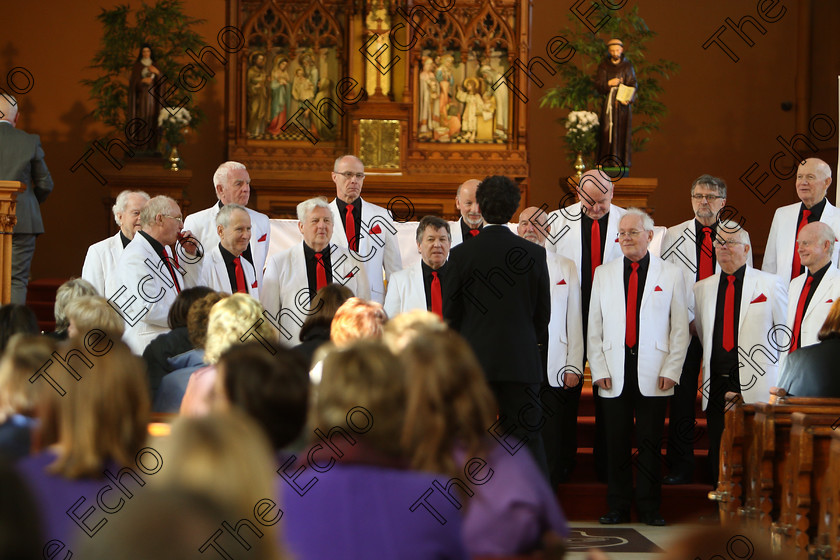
579	165
174	159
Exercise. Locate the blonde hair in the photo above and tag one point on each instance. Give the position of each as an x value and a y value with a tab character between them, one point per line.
405	327
234	320
24	355
224	456
67	292
357	319
93	312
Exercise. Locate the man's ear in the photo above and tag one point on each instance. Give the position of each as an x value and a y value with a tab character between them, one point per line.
300	227
219	230
219	190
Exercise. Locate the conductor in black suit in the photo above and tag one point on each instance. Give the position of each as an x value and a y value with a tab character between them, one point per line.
811	371
498	299
22	159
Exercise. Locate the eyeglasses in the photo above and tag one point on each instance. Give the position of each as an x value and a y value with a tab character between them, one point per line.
349	175
179	218
724	242
630	234
709	197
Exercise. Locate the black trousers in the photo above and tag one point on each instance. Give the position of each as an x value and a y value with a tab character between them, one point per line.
619	415
521	404
715	413
560	430
681	433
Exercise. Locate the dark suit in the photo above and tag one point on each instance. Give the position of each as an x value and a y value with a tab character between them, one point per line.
498	298
812	371
22	159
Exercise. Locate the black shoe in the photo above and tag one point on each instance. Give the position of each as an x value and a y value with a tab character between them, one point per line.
654	519
677	479
614	517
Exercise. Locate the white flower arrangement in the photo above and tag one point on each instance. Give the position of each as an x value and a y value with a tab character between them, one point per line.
582	131
583	121
174	117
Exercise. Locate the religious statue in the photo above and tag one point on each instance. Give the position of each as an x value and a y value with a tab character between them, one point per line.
326	126
303	90
449	126
472	108
429	110
616	79
486	125
141	103
281	95
258	105
500	94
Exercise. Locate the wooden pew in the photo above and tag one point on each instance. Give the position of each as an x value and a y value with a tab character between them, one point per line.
734	456
803	484
827	542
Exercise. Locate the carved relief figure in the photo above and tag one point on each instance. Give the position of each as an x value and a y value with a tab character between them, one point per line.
257	95
429	110
326	129
491	76
302	90
281	95
472	107
486	125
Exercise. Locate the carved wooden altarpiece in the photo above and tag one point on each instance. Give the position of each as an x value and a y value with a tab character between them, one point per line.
408	85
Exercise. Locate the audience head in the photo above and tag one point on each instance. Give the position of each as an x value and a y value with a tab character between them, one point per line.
498	198
449	401
315	222
67	292
815	244
198	317
533	225
232	182
25	354
103	416
273	390
8	108
162	220
324	305
731	246
405	327
467	205
225	457
595	192
233	224
348	175
635	232
88	313
127	210
708	197
829	330
362	388
229	322
181	307
20	524
357	319
14	319
812	181
433	241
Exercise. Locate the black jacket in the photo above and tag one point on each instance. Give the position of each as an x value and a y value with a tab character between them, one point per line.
812	371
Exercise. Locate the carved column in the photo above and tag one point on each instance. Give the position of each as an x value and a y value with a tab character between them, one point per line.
8	197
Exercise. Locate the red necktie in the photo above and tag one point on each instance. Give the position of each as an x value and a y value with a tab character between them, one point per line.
350	229
595	245
437	300
800	311
474	232
706	267
172	272
241	286
797	264
729	315
320	272
632	289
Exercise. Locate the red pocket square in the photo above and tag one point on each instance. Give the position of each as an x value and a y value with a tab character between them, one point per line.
616	239
830	301
760	299
254	285
657	289
376	229
261	239
561	283
349	275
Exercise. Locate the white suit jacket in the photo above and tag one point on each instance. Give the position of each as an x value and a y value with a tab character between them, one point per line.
378	247
203	225
101	260
781	242
680	248
763	306
285	289
455	230
825	295
214	274
141	290
565	328
564	238
663	327
406	291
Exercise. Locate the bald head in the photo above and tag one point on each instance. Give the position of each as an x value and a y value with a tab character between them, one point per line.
8	108
815	244
595	193
467	205
812	180
532	225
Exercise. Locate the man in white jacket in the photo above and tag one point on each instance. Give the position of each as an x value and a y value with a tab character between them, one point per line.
225	269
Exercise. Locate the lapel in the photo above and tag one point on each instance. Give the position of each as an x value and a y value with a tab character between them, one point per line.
338	237
573	247
219	270
416	287
115	247
610	245
747	295
823	290
653	274
709	295
787	240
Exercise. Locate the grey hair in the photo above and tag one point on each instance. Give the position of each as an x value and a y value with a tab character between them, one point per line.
222	172
714	182
647	221
339	158
733	227
122	201
8	107
157	205
433	222
826	233
223	217
67	292
307	206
